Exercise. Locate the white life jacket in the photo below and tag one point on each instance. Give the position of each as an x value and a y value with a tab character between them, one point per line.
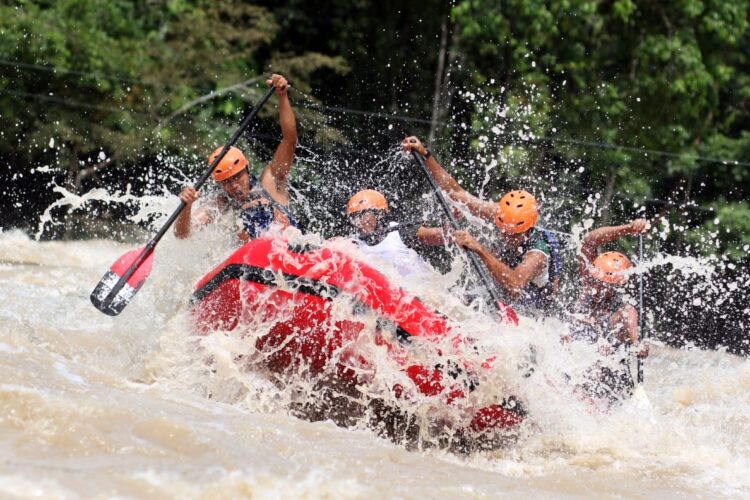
398	262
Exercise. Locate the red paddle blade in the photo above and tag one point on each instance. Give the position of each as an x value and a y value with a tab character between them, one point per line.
507	314
115	289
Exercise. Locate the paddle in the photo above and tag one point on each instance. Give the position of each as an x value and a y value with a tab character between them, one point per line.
505	311
126	276
641	333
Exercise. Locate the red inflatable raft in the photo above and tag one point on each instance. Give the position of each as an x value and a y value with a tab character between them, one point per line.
291	290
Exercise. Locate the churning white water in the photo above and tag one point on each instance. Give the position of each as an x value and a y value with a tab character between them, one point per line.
128	407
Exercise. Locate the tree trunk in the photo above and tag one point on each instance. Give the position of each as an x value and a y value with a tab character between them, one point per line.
436	98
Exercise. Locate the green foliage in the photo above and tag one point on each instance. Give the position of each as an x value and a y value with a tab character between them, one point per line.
533	84
726	231
669	76
141	71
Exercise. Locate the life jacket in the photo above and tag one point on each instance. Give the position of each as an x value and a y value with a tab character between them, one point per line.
596	322
410	268
610	382
555	260
538	295
257	219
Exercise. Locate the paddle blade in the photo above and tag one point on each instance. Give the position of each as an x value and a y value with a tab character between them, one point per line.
113	303
507	314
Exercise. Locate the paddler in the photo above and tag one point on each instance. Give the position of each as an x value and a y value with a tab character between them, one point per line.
603	314
384	240
391	246
523	259
259	202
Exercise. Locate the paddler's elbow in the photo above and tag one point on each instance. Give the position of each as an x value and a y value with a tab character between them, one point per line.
512	289
515	285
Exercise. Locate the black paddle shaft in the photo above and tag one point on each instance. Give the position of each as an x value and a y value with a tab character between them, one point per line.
641	332
480	270
149	248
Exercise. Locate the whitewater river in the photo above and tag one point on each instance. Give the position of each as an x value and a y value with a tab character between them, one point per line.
95	406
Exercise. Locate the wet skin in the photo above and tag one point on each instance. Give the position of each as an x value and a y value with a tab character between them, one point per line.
237	187
365	222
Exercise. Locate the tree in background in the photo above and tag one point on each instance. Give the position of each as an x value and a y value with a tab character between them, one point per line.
667	76
512	91
88	86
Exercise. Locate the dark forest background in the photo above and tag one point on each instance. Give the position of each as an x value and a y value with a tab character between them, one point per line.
604	109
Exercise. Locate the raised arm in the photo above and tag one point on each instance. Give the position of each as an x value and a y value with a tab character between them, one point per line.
603	235
274	176
478	207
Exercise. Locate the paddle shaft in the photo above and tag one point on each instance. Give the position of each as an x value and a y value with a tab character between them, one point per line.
480	270
640	306
149	248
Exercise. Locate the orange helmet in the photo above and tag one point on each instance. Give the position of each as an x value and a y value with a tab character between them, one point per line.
517	212
369	199
233	163
609	267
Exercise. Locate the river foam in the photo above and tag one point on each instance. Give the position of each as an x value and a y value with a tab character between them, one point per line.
93	405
